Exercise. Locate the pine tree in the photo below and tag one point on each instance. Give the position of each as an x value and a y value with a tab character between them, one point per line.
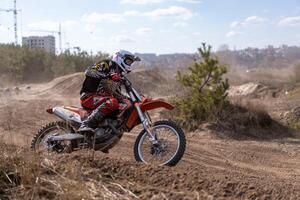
207	95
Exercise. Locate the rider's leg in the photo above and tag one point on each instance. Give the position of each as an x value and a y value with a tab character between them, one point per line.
111	104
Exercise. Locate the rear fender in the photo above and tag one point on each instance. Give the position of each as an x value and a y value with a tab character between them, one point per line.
147	104
65	114
50	110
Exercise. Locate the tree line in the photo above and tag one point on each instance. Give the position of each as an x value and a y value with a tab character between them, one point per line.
21	64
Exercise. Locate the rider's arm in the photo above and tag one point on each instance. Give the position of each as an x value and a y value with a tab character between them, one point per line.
99	70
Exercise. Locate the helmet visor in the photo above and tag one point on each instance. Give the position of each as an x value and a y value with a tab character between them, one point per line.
128	61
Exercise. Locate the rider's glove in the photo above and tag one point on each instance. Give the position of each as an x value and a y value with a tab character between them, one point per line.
115	77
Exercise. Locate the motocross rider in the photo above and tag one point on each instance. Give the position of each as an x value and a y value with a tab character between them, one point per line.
100	92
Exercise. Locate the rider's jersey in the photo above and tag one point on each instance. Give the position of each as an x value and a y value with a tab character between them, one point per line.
98	78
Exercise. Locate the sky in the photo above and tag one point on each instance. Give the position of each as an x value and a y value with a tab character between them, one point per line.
156	26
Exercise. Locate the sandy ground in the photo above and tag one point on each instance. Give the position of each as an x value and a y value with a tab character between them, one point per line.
212	168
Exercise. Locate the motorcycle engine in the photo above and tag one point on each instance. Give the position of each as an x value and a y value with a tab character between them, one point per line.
103	134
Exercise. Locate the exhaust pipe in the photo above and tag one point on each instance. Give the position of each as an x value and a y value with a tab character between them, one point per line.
65	137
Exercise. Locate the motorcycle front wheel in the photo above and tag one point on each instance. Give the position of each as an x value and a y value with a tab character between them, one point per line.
169	148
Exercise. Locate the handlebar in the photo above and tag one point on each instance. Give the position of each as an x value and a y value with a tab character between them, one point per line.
126	82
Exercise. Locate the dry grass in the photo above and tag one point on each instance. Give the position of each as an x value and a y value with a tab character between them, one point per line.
242	119
249	113
27	176
246	119
292	118
7	124
75	176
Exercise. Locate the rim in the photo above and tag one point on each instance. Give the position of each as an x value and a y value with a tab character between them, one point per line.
169	141
41	143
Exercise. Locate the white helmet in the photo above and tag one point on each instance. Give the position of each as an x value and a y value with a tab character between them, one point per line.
124	59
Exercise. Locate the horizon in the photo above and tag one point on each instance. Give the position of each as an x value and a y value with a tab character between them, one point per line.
173	53
157	26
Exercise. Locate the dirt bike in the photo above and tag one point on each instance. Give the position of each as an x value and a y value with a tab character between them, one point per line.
159	143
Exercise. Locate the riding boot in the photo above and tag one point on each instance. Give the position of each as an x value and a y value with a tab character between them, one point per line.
91	123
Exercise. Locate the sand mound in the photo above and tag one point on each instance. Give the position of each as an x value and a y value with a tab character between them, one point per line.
68	85
245	89
145	81
256	90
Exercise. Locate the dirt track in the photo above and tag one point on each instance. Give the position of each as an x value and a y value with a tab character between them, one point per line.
211	167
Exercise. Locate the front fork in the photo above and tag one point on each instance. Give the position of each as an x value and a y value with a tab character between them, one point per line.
146	121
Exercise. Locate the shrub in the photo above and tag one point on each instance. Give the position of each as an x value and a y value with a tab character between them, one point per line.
206	95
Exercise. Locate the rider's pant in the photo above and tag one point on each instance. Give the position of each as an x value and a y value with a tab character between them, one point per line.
94	100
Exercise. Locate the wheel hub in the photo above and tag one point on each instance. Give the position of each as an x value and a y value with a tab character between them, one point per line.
160	147
53	145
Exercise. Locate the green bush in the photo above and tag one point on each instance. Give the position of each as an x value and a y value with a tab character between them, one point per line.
206	95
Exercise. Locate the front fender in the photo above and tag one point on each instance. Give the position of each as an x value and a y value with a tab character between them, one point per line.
155	103
146	104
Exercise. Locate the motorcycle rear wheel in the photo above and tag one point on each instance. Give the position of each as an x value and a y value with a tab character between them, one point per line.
39	140
145	151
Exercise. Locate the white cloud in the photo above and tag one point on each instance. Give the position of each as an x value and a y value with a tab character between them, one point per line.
70	23
248	21
196	33
190	1
255	20
184	37
235	24
141	2
99	38
102	17
233	33
289	21
177	12
4	28
90	28
44	25
143	31
122	39
132	13
180	24
172	11
53	25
